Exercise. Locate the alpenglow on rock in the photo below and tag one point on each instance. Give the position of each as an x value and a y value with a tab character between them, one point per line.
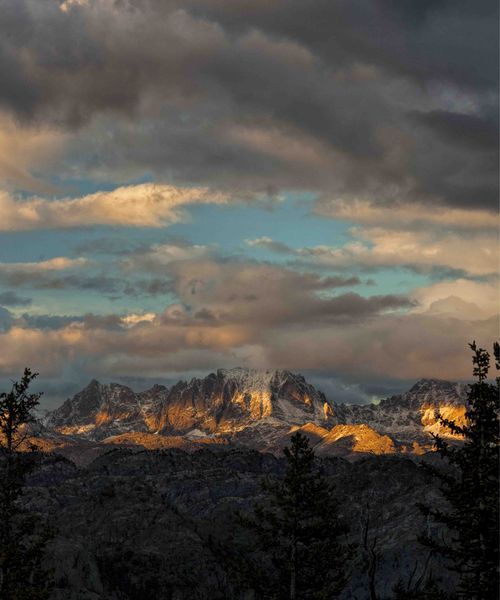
411	417
260	410
222	402
102	410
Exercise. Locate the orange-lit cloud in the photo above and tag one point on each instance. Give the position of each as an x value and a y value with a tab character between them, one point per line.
144	205
408	215
395	346
59	263
422	249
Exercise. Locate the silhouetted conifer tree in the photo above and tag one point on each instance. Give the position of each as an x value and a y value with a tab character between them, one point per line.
299	528
22	538
471	489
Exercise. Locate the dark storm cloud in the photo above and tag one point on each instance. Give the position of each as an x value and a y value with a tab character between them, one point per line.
460	128
266	95
421	40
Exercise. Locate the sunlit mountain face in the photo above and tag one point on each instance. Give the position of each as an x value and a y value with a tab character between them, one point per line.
239	408
190	186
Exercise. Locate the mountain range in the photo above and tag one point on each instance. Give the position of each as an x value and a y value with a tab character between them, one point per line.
136	516
255	409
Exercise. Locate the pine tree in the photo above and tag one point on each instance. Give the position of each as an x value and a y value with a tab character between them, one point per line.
471	488
300	530
22	537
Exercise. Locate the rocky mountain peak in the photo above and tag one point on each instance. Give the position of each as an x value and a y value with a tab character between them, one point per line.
157	388
428	392
431	385
156	391
223	401
258	409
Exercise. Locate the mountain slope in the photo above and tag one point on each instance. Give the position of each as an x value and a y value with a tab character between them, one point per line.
229	400
225	401
257	409
99	411
411	417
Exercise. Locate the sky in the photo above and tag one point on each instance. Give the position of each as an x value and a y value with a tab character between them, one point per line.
186	186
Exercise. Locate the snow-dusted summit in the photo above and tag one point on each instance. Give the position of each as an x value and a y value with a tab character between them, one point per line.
411	418
222	402
259	409
103	410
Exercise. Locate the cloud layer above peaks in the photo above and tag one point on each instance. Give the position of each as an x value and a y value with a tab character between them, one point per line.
269	183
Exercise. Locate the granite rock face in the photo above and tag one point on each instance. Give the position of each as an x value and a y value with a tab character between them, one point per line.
231	399
410	418
99	411
222	402
255	409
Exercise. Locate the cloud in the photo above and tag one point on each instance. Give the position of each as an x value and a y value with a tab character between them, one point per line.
386	104
461	298
420	250
156	258
224	307
135	319
406	215
24	149
6	319
59	263
396	346
62	273
42	274
144	205
384	113
270	244
410	235
67	5
233	312
462	128
58	322
10	298
263	295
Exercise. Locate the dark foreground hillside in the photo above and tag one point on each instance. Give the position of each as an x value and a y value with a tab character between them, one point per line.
162	524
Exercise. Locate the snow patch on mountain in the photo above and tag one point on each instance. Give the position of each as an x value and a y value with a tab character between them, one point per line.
260	409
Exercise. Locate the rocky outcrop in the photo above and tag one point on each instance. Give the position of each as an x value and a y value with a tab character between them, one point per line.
227	400
232	399
99	411
258	410
346	439
412	417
